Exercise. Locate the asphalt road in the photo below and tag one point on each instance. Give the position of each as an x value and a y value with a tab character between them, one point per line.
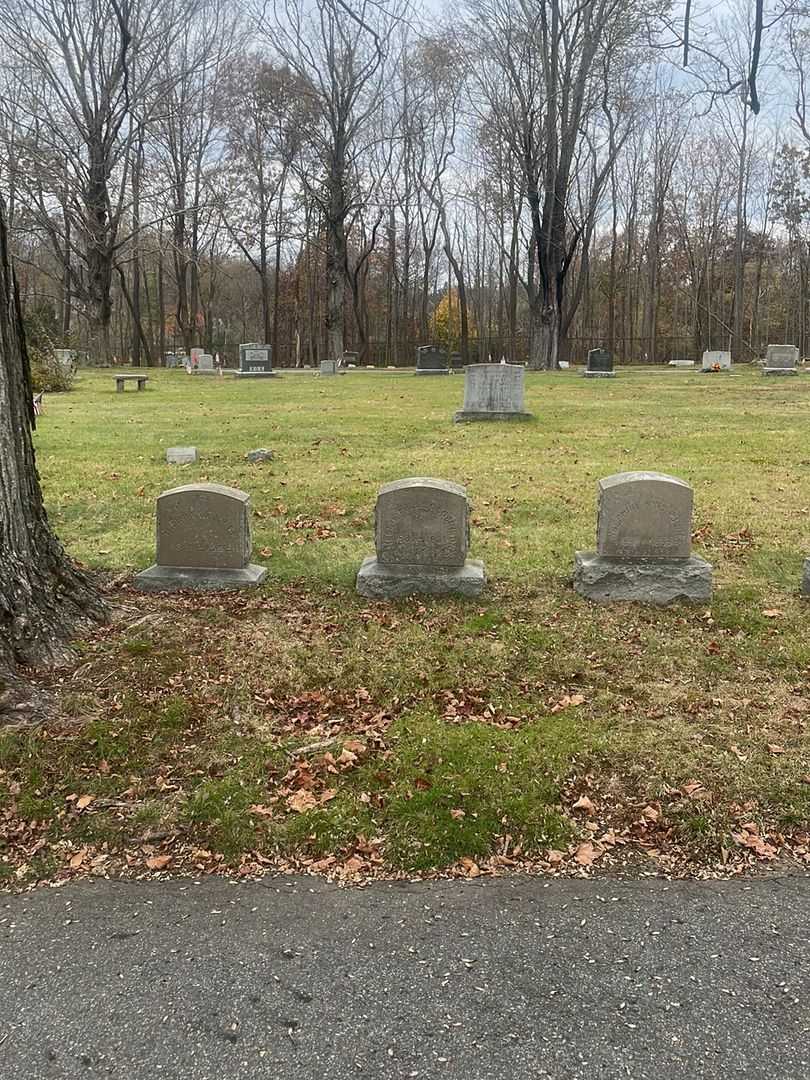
518	978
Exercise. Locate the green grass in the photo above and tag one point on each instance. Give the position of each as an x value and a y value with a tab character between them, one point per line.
481	722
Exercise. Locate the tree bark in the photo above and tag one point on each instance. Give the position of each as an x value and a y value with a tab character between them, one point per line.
44	597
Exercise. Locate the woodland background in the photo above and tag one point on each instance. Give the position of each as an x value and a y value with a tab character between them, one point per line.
519	178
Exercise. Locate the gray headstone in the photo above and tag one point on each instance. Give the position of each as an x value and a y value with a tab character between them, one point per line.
203	540
205	362
493	392
328	367
781	358
644	515
712	357
644	540
181	455
421	532
431	361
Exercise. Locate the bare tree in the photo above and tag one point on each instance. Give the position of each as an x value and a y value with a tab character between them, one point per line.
340	49
84	67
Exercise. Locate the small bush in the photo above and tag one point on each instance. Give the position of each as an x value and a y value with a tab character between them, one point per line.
48	373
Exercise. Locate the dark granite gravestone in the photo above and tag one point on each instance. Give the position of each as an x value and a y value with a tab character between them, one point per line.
600	364
432	361
255	362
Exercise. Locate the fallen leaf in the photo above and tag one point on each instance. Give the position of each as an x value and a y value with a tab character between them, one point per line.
457	815
584	803
472	867
302	801
650	813
158	862
84	801
772	613
78	859
774	748
586	854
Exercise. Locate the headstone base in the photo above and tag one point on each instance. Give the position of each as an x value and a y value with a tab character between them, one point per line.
386	582
172	578
646	581
599	374
780	371
466	417
432	371
255	374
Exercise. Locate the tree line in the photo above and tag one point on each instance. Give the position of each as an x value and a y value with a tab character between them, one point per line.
519	178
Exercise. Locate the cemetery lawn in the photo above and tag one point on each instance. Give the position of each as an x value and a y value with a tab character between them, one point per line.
299	725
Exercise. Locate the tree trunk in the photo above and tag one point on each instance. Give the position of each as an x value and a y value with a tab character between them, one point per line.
43	595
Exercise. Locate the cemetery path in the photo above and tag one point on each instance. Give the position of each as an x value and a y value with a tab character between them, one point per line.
485	980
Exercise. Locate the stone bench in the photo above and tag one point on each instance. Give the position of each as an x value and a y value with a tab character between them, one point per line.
122	380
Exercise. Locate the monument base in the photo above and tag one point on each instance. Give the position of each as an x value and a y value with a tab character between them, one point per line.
646	581
255	374
387	582
466	417
599	374
172	578
432	371
780	371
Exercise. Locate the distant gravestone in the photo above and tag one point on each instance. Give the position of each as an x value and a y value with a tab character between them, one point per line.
203	541
421	533
205	364
260	454
432	361
716	360
781	360
255	362
351	359
681	363
328	367
181	455
644	542
599	364
493	392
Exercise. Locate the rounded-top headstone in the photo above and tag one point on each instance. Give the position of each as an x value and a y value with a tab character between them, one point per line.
203	526
421	521
644	515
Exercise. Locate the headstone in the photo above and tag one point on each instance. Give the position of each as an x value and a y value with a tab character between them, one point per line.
564	365
181	455
716	359
259	455
203	541
350	359
644	539
599	364
681	363
328	367
255	362
493	392
205	364
68	359
432	361
781	360
422	534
